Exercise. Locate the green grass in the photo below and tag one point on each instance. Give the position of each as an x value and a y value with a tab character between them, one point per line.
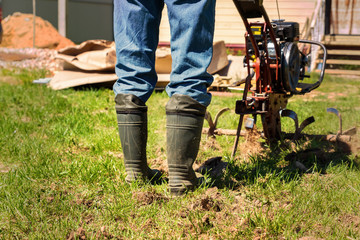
62	175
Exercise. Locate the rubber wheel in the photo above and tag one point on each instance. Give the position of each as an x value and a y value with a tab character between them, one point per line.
290	66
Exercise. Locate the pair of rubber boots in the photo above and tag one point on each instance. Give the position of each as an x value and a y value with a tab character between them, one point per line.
184	121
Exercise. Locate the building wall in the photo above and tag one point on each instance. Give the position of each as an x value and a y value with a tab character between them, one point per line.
229	26
92	19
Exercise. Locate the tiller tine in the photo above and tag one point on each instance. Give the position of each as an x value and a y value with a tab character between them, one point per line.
349	132
337	113
291	114
306	122
212	124
208	118
219	114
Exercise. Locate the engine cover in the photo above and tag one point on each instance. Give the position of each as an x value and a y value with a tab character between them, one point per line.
286	31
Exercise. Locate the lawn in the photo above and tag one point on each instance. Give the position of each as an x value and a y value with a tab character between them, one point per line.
62	175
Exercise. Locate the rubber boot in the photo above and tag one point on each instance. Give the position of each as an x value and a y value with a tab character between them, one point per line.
184	122
132	122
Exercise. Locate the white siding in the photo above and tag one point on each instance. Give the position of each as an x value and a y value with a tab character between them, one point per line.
229	26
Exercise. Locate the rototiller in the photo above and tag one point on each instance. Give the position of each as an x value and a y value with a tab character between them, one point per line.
274	61
273	57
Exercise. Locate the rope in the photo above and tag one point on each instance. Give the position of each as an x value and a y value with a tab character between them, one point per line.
277	6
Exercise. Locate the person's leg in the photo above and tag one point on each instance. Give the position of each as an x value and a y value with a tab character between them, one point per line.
132	124
184	121
136	34
136	30
192	27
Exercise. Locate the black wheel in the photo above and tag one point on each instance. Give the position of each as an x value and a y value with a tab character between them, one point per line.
290	66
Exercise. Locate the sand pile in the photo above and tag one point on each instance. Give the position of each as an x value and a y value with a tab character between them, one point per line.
18	33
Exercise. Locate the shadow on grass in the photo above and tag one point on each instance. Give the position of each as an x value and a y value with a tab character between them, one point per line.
286	163
106	85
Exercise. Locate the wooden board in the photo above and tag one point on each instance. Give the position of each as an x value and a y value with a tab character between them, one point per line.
341	72
341	62
342	40
342	52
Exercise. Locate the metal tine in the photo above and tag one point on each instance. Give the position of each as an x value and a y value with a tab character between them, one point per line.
305	123
337	113
219	114
208	118
291	114
212	124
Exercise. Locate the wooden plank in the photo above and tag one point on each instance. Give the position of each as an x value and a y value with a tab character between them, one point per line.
342	40
283	6
267	4
270	11
340	61
343	52
342	43
236	18
341	72
342	37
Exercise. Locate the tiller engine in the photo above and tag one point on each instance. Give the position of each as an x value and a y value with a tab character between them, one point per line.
273	59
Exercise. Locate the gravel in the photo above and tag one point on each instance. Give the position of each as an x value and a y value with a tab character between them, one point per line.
31	58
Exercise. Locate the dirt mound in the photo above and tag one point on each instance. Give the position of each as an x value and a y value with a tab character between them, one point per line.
147	198
18	33
251	146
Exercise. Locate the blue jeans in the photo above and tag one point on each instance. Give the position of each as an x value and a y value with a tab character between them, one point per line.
136	33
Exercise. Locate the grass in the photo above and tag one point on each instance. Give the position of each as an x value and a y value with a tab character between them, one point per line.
62	176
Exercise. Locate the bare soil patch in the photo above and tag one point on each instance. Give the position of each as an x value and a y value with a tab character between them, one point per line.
104	234
350	221
210	143
252	146
354	145
15	56
207	203
3	168
160	161
147	198
9	80
80	233
314	96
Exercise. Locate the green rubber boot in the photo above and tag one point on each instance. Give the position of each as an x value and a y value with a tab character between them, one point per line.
132	122
185	118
